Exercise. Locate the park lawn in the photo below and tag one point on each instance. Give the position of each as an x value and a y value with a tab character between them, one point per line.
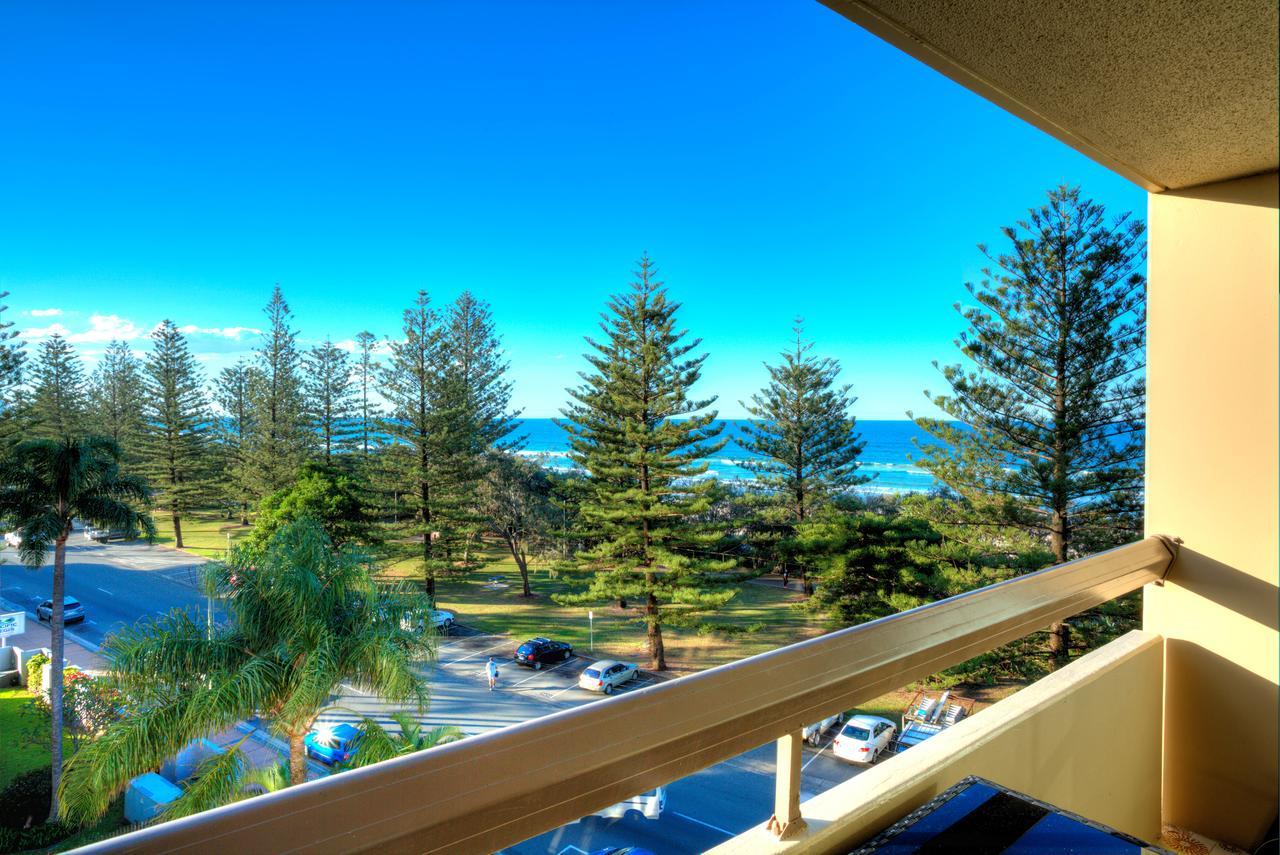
759	618
16	756
204	533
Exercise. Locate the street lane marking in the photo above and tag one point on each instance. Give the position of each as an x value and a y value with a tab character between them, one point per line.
105	591
706	824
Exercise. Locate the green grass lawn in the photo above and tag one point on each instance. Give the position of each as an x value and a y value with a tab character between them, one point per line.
759	618
16	757
204	533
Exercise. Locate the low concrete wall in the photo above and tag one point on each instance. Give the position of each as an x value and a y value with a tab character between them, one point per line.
1086	738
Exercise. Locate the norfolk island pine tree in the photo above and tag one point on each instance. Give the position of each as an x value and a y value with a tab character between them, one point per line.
1054	408
634	429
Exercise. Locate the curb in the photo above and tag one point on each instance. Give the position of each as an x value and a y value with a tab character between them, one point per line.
66	633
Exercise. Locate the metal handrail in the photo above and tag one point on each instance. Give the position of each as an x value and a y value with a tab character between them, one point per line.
499	788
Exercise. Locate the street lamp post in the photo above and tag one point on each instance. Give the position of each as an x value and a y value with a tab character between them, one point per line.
591	630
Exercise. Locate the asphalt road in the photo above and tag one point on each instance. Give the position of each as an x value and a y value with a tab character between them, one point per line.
118	583
121	583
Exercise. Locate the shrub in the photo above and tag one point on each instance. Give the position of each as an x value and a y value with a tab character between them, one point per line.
35	678
35	837
25	801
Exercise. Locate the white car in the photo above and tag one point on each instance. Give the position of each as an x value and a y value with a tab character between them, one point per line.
813	733
863	738
647	805
13	538
606	675
440	620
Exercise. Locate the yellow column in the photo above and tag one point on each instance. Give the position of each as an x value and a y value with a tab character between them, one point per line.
786	821
1212	479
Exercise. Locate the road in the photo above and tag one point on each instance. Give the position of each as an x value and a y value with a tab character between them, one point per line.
121	583
118	583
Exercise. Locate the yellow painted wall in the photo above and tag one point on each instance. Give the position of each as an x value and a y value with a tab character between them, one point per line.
1085	738
1212	479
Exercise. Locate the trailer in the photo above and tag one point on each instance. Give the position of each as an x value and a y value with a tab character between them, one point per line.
929	714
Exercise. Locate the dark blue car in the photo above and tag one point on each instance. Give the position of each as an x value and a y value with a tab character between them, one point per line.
332	744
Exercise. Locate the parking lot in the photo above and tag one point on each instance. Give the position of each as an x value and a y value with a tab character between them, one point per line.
460	694
703	809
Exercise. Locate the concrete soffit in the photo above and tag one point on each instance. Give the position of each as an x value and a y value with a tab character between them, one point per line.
1168	93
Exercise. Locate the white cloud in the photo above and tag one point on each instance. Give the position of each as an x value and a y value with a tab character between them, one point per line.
102	329
44	313
380	346
108	328
36	333
226	332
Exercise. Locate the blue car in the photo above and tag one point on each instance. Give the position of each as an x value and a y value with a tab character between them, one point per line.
332	743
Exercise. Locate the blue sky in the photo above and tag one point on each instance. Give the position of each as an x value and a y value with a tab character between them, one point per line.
164	160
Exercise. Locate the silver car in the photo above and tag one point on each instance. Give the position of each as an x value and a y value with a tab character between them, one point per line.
606	675
72	610
813	733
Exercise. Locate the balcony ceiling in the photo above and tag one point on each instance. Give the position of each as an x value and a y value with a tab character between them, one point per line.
1169	93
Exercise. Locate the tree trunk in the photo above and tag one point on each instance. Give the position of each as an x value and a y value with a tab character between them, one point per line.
177	530
523	564
297	759
57	649
657	653
427	570
1060	632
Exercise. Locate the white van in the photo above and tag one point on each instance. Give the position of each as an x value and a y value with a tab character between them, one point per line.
647	805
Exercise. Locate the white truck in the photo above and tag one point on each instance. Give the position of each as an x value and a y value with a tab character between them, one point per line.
928	715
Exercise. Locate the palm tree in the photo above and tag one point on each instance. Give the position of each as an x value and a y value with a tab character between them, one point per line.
44	485
231	777
304	618
377	744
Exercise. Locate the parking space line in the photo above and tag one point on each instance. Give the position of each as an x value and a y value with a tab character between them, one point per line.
555	695
815	756
543	671
705	824
477	653
464	639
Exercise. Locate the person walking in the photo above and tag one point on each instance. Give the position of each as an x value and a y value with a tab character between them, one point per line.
491	671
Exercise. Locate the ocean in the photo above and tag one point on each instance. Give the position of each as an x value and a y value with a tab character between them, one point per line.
885	457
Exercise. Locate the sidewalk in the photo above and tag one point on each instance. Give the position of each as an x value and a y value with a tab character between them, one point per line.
37	635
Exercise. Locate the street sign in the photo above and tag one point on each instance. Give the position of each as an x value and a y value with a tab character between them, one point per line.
12	623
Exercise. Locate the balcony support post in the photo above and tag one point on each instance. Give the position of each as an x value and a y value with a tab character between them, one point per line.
786	821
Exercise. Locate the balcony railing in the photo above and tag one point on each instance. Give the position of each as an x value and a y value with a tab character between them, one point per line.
499	788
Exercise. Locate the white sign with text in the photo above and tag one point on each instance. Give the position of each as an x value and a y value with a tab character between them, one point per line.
12	623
